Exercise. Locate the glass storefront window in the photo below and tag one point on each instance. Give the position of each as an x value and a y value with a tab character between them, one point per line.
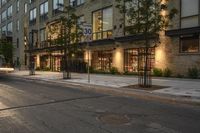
131	57
131	60
102	60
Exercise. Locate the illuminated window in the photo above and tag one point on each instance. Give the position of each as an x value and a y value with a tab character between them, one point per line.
102	23
189	44
102	60
131	57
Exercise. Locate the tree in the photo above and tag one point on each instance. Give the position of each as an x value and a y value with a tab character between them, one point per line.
145	18
6	49
69	36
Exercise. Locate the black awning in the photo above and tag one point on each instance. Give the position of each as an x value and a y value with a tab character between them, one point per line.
131	38
185	31
102	42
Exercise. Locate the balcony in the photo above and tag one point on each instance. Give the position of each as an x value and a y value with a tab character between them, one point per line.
102	35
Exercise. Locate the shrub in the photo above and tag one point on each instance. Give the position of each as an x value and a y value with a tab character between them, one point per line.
91	69
46	69
179	76
157	72
130	73
38	69
167	72
99	71
114	70
193	73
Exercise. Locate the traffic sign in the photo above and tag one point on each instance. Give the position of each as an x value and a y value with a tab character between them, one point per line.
87	29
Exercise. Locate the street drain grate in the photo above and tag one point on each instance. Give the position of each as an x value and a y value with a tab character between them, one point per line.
114	119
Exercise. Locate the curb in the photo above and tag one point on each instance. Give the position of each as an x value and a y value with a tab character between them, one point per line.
124	92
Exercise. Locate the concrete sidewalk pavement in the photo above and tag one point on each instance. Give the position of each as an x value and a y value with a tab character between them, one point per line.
182	88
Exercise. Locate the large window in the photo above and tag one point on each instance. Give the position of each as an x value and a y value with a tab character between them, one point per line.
44	11
17	5
3	2
56	6
189	44
131	60
131	57
25	8
9	28
102	60
42	35
3	30
102	23
3	16
32	17
189	13
9	11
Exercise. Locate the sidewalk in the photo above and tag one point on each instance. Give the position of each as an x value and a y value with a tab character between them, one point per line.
176	88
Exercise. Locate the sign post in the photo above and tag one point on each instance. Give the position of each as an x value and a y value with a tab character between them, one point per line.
87	32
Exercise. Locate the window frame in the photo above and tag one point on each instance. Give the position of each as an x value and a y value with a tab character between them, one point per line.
102	31
189	37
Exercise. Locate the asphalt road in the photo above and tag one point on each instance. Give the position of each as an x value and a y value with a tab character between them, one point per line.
30	107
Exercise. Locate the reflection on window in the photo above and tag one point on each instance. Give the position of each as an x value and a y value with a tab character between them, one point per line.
102	24
190	44
3	16
9	11
32	17
9	28
3	30
44	11
57	8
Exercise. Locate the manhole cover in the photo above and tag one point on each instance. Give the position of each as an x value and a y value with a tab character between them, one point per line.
114	119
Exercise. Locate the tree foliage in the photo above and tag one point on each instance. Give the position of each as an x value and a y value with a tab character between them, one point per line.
145	16
69	31
6	49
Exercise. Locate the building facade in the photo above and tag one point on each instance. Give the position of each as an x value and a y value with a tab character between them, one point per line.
178	48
